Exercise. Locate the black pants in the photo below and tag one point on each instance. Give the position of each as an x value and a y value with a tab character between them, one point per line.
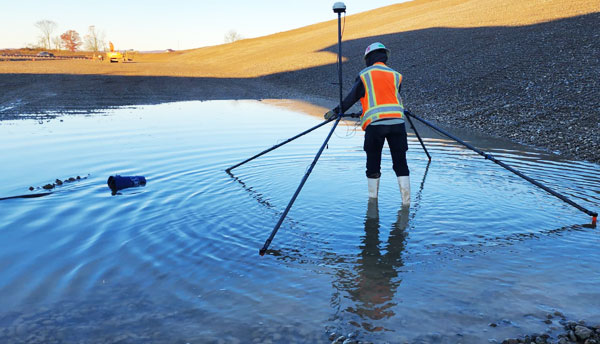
375	135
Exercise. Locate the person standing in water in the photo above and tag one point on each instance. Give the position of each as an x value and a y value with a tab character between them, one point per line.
378	88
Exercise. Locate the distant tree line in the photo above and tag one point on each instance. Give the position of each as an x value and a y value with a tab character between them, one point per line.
69	40
93	40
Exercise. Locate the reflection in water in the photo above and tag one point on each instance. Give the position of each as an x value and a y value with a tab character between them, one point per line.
372	285
376	273
262	200
256	195
417	201
26	196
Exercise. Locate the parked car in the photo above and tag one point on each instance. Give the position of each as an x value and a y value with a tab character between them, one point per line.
45	54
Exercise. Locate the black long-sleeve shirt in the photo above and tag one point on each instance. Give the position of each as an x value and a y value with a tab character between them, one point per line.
357	92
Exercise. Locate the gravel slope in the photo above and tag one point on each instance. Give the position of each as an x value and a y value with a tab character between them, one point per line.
536	84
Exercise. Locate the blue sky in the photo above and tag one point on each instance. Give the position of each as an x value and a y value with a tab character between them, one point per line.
175	24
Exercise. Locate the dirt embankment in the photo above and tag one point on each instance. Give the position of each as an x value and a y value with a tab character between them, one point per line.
528	71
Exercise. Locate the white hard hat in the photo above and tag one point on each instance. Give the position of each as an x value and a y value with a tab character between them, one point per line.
376	46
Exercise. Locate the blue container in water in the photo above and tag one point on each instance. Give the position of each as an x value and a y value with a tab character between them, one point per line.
118	182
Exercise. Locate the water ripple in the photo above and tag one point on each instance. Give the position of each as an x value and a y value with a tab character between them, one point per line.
186	244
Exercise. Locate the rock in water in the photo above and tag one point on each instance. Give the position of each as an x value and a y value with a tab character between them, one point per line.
582	332
340	340
572	336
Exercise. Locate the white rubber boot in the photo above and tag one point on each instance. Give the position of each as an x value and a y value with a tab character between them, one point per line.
404	183
373	187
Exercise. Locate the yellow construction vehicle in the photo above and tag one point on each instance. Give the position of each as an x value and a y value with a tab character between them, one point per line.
112	55
129	55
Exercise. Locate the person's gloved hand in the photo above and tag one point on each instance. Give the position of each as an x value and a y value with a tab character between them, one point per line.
330	114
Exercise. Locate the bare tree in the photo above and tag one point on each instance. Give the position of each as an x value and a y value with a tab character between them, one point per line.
232	36
71	40
46	27
41	44
94	39
57	42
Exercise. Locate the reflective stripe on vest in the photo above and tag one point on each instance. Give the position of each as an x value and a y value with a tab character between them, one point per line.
381	98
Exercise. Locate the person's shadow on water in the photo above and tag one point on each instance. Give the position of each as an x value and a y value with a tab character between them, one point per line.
376	278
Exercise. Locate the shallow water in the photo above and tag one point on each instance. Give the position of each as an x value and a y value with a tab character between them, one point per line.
177	260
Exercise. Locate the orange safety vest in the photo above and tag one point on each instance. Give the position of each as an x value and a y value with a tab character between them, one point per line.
381	99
